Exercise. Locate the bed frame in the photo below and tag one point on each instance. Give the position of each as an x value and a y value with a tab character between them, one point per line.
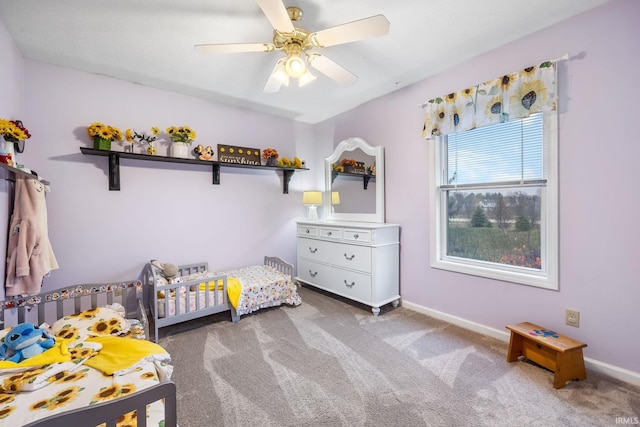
49	306
213	305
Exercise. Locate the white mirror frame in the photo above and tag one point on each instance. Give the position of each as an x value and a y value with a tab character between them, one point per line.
351	144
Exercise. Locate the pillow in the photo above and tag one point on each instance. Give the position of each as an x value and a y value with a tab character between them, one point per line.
90	323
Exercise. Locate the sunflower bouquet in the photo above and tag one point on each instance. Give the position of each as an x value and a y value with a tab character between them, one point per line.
102	135
181	134
13	130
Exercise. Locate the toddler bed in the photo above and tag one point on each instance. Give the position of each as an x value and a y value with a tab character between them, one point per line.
196	291
97	373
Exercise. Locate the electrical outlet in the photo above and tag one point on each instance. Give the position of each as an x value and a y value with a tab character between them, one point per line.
572	317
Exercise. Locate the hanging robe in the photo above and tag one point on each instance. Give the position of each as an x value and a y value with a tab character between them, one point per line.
29	254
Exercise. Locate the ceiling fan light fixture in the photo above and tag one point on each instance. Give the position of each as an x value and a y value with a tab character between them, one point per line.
280	74
295	66
306	78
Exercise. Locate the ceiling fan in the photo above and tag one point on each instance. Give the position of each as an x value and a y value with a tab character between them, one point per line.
298	45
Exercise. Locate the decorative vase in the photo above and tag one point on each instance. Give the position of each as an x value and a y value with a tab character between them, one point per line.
271	161
101	143
180	149
8	147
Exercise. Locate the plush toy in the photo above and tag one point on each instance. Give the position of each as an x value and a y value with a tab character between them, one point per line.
169	271
204	153
24	341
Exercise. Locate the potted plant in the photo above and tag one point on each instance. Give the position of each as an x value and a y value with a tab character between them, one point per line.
271	155
181	138
102	135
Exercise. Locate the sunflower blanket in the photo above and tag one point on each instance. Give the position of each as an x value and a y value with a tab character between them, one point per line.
77	374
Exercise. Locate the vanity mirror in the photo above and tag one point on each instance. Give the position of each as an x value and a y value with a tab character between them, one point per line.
355	196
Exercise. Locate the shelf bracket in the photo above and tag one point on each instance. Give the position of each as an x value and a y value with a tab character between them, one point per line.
216	174
286	177
114	172
366	181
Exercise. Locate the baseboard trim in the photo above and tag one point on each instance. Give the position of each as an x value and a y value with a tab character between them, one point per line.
595	365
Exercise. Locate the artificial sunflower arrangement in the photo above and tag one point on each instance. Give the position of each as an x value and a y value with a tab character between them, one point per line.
285	162
337	167
13	130
102	135
131	136
348	162
181	134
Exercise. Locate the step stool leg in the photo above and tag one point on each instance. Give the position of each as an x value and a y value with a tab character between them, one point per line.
570	366
515	347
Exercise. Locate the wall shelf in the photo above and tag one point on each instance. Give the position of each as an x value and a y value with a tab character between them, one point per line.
115	156
365	177
19	172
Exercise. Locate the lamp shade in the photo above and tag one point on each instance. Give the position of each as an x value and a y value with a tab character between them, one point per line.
335	198
312	198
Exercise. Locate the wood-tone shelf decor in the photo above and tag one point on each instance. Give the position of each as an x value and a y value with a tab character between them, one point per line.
365	177
114	166
20	172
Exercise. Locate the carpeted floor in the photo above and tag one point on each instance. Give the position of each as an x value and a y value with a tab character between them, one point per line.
329	362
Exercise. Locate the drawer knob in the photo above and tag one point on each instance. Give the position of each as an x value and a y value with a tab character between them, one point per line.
312	274
349	258
349	285
355	236
328	233
313	251
307	231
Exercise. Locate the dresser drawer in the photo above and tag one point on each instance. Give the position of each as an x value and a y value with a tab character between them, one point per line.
316	250
329	233
307	230
351	256
314	273
356	236
351	284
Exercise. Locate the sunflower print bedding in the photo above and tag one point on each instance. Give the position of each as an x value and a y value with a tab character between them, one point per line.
92	366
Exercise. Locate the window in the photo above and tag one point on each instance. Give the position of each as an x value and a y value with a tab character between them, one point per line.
495	194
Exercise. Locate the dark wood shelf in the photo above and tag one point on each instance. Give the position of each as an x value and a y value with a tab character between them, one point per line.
115	156
365	177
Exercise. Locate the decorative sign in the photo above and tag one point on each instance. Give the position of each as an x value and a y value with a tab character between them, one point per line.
239	155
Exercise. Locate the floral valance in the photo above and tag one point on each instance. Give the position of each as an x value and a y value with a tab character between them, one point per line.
509	97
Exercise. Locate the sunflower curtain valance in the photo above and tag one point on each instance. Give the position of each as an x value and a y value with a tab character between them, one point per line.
511	96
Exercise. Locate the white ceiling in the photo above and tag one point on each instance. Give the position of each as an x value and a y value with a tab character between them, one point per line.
151	42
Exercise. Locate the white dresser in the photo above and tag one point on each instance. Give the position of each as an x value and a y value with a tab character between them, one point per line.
356	260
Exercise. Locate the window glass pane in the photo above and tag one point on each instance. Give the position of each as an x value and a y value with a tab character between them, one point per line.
505	152
495	225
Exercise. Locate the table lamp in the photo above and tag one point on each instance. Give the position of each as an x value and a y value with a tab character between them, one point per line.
335	199
312	199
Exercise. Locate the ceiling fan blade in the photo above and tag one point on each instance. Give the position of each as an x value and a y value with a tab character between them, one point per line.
374	26
277	15
234	47
331	69
276	79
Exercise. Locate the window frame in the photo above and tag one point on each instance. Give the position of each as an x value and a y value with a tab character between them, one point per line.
548	276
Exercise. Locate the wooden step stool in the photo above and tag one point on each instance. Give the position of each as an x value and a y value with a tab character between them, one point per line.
560	354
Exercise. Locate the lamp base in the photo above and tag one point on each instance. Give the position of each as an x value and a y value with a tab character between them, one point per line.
312	213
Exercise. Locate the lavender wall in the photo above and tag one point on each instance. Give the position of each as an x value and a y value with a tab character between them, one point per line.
173	213
11	108
164	211
599	175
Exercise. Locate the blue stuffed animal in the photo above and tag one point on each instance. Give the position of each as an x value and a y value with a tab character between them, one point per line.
24	341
